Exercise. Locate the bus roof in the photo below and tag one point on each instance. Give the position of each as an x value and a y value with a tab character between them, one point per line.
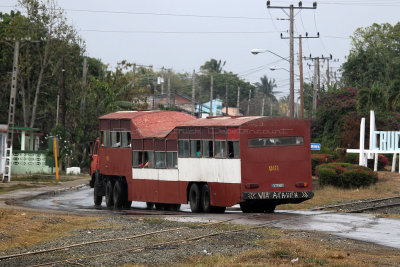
220	121
151	123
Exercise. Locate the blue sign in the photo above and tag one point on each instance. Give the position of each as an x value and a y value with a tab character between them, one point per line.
315	146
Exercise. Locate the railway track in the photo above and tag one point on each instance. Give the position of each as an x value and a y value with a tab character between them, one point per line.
364	205
135	239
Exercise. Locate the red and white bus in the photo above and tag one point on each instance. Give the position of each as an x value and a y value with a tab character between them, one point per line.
167	158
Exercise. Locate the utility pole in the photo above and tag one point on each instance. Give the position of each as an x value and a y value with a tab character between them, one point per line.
84	74
248	103
291	50
169	88
193	92
162	80
301	67
262	107
211	94
316	80
226	99
63	95
11	116
238	99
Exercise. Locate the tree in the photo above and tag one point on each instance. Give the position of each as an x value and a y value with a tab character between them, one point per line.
213	66
374	56
266	87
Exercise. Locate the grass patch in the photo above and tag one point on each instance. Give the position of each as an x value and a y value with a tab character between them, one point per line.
387	186
42	179
6	189
288	248
27	228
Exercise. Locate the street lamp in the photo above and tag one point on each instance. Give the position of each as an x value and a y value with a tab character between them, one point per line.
256	51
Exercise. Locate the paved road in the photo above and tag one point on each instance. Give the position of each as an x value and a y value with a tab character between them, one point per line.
363	227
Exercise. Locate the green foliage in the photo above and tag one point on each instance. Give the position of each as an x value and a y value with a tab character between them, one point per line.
345	175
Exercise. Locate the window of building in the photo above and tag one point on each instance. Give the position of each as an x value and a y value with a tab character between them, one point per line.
172	160
208	149
233	149
220	149
106	139
195	148
183	148
160	160
276	141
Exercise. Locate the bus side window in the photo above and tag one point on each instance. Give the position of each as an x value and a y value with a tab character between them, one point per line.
116	139
233	149
96	148
160	160
208	149
220	149
105	139
183	148
195	148
172	160
126	139
137	159
148	159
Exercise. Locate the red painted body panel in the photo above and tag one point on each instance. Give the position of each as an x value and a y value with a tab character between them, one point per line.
279	165
224	195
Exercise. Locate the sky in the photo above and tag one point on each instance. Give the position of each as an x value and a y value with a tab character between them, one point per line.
184	34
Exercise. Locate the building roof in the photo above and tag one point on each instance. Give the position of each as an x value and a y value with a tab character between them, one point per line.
151	123
220	121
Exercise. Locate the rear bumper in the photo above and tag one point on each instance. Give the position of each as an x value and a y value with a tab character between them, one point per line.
287	196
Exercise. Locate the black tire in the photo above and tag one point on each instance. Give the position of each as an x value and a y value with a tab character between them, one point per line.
96	197
205	199
195	198
149	205
270	208
247	207
118	195
109	194
127	204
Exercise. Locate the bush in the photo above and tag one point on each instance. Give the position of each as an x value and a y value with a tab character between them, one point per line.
317	159
345	175
382	161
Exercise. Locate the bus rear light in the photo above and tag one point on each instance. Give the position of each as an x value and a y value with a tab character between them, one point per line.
251	186
301	184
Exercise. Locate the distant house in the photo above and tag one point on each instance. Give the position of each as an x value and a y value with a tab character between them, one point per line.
181	101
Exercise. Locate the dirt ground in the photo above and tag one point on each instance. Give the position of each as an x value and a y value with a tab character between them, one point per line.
155	241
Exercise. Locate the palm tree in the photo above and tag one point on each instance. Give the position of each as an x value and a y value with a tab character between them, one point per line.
213	66
266	87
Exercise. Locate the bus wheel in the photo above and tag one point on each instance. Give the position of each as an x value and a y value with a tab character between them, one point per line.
269	208
205	199
109	194
149	205
195	198
118	195
127	204
246	207
96	197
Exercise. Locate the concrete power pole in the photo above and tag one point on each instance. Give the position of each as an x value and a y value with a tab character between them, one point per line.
169	88
301	78
291	18
248	103
11	116
162	80
211	95
226	99
238	99
193	92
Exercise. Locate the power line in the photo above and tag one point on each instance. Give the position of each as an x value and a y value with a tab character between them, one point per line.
159	14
